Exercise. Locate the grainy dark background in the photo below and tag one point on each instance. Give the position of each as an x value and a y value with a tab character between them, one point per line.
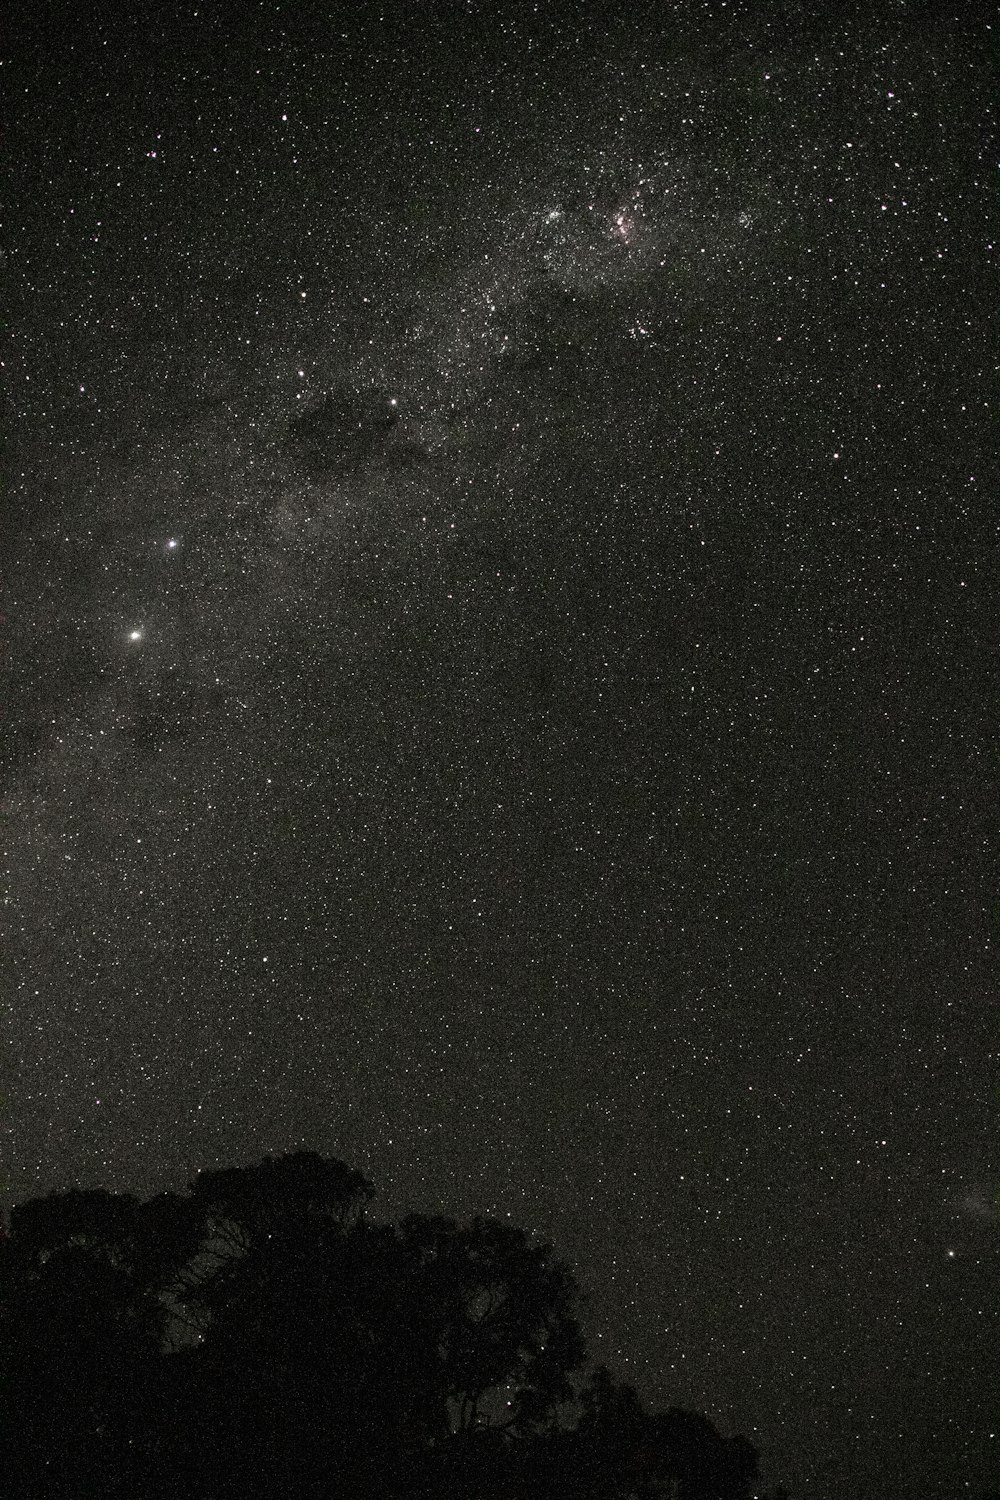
493	545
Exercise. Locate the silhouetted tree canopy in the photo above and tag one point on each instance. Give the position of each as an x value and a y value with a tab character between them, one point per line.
256	1336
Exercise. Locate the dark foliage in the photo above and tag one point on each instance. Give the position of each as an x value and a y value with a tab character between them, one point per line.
257	1337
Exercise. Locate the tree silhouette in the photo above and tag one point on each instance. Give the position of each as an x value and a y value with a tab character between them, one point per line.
502	1319
258	1337
687	1449
81	1331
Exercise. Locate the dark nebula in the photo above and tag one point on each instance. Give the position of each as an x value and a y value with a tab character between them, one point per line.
494	595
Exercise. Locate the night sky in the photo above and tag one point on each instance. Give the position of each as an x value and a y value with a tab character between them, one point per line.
494	606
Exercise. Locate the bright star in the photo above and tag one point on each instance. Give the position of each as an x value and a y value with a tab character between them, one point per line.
624	227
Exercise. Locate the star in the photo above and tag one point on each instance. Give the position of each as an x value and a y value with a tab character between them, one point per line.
514	562
623	227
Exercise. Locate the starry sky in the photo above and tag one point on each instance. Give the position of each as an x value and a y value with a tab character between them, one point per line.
493	679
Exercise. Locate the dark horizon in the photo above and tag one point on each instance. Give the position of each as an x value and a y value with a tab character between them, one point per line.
262	1332
493	688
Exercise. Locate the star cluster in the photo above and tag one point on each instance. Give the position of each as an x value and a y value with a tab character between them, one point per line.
493	595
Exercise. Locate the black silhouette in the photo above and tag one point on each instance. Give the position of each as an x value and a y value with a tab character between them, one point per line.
258	1337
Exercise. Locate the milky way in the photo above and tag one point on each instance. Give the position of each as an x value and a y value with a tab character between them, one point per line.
493	595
